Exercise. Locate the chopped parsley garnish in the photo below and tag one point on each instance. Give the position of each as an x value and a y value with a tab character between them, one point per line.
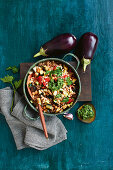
58	72
58	95
47	72
69	82
66	99
60	83
55	85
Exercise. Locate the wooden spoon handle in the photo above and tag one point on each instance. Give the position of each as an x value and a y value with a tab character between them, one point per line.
43	121
39	108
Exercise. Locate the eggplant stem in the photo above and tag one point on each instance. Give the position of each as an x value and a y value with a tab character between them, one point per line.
84	67
38	54
41	52
85	62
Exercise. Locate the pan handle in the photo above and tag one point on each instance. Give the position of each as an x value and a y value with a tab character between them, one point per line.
26	115
70	54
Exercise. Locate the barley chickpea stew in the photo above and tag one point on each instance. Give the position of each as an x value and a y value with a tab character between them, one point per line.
54	85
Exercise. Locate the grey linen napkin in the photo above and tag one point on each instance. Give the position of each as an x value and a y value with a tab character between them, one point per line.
28	133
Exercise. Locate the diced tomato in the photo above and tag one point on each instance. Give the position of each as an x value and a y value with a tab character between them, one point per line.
55	79
64	76
70	100
44	83
47	79
70	86
39	78
54	68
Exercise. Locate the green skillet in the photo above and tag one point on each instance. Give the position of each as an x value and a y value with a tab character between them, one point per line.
26	92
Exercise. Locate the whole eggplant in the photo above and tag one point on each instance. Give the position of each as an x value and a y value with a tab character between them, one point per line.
59	45
86	48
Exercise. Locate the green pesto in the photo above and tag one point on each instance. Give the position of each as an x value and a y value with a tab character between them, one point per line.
86	112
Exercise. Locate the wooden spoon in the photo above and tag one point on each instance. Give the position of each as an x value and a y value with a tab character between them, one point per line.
39	108
42	120
89	120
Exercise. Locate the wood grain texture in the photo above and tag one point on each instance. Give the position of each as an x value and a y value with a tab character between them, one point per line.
85	79
24	26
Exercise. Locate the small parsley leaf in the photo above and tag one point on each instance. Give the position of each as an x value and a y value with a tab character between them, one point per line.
7	79
14	69
55	85
47	72
17	84
58	72
66	99
58	95
69	82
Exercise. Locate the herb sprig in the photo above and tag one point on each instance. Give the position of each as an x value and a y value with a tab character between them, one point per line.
14	69
15	84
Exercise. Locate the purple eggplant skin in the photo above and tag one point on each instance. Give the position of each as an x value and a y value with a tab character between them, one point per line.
59	45
86	48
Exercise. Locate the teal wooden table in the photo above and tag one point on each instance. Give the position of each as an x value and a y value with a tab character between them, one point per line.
24	26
